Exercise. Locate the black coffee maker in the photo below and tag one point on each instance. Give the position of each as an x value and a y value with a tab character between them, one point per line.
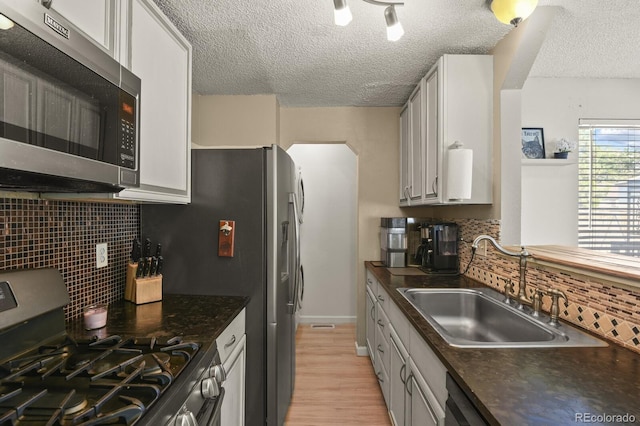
438	251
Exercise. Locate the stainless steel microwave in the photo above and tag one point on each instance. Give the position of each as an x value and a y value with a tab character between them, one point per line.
69	113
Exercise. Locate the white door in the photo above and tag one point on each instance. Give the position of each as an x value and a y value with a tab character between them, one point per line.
328	234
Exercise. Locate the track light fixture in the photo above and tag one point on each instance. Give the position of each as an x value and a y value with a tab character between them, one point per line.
513	11
342	16
341	13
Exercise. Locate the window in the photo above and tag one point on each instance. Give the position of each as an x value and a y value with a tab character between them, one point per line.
609	186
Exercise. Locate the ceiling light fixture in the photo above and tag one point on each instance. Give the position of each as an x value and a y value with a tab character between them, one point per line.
342	16
394	27
513	11
341	13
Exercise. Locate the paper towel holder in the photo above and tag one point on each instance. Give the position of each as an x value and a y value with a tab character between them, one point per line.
456	145
459	182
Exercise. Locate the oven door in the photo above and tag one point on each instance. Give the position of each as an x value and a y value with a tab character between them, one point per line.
210	414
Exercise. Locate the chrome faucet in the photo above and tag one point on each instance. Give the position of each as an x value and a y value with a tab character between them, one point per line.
522	298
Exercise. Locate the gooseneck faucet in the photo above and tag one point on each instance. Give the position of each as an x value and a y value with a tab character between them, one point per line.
522	254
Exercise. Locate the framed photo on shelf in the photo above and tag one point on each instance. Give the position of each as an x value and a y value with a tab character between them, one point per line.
532	143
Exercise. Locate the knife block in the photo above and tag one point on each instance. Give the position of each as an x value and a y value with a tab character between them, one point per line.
144	289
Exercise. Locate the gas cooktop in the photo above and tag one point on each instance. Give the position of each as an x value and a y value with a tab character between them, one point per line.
107	381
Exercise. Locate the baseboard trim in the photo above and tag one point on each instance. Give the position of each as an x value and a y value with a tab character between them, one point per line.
317	319
361	350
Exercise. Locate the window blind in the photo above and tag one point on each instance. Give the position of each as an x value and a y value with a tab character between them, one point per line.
609	186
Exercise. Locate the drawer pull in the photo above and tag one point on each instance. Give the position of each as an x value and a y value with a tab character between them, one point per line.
380	349
378	377
380	323
231	341
380	298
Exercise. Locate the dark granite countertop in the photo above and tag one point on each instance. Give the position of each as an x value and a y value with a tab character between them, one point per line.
547	386
196	318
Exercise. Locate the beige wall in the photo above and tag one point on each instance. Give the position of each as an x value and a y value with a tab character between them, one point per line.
235	120
373	134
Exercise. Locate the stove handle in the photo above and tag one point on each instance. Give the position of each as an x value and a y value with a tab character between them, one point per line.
185	418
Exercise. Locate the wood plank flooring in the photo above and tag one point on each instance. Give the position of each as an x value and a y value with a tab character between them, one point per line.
333	385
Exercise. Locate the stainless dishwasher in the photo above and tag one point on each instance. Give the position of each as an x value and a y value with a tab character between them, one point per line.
459	410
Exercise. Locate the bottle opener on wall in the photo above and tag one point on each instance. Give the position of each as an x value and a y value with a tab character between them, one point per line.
226	238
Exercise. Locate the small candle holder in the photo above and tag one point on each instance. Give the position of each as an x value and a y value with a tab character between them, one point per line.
95	316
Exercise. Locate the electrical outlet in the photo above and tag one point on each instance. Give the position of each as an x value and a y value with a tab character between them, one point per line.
482	248
102	255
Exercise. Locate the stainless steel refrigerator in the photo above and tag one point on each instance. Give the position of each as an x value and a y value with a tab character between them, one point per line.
256	189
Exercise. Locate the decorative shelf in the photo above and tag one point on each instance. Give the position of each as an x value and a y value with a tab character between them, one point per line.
548	162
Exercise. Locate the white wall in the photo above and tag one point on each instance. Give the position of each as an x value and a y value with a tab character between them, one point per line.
550	193
328	233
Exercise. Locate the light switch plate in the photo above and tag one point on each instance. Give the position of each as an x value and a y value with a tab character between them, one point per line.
102	255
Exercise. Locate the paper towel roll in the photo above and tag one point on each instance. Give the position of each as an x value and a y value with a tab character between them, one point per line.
459	173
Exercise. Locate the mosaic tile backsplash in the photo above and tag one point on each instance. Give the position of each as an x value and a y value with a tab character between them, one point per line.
609	311
39	233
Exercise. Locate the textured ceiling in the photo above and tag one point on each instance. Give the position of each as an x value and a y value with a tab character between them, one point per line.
291	48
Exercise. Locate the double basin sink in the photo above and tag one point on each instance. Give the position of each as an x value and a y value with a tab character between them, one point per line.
479	318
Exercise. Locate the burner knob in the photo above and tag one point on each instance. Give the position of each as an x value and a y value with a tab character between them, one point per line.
218	372
210	388
185	418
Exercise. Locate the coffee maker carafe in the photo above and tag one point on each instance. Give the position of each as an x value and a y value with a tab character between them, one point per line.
439	248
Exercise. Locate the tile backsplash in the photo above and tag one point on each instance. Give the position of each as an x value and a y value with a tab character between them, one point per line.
609	311
39	233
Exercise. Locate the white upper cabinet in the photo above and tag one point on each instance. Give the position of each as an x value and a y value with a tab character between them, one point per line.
456	106
161	57
97	19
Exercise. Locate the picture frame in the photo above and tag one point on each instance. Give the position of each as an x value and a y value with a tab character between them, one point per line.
532	142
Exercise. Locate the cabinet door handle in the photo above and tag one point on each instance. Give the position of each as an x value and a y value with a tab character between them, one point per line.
379	378
373	308
380	323
380	349
434	188
380	298
369	281
403	371
231	341
406	384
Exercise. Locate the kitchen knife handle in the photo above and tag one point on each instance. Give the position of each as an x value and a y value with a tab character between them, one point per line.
153	269
140	269
147	248
160	265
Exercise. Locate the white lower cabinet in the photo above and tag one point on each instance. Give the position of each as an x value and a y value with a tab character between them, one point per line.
398	358
232	348
233	403
412	378
371	324
422	408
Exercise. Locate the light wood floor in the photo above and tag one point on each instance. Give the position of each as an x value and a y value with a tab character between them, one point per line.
333	385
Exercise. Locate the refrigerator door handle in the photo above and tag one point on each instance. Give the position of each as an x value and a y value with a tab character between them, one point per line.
296	226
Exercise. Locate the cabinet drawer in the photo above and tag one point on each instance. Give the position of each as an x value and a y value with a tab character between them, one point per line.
383	298
382	349
383	378
430	367
231	335
400	323
382	324
372	283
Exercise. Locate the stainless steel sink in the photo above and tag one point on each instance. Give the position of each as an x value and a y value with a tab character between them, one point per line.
479	318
